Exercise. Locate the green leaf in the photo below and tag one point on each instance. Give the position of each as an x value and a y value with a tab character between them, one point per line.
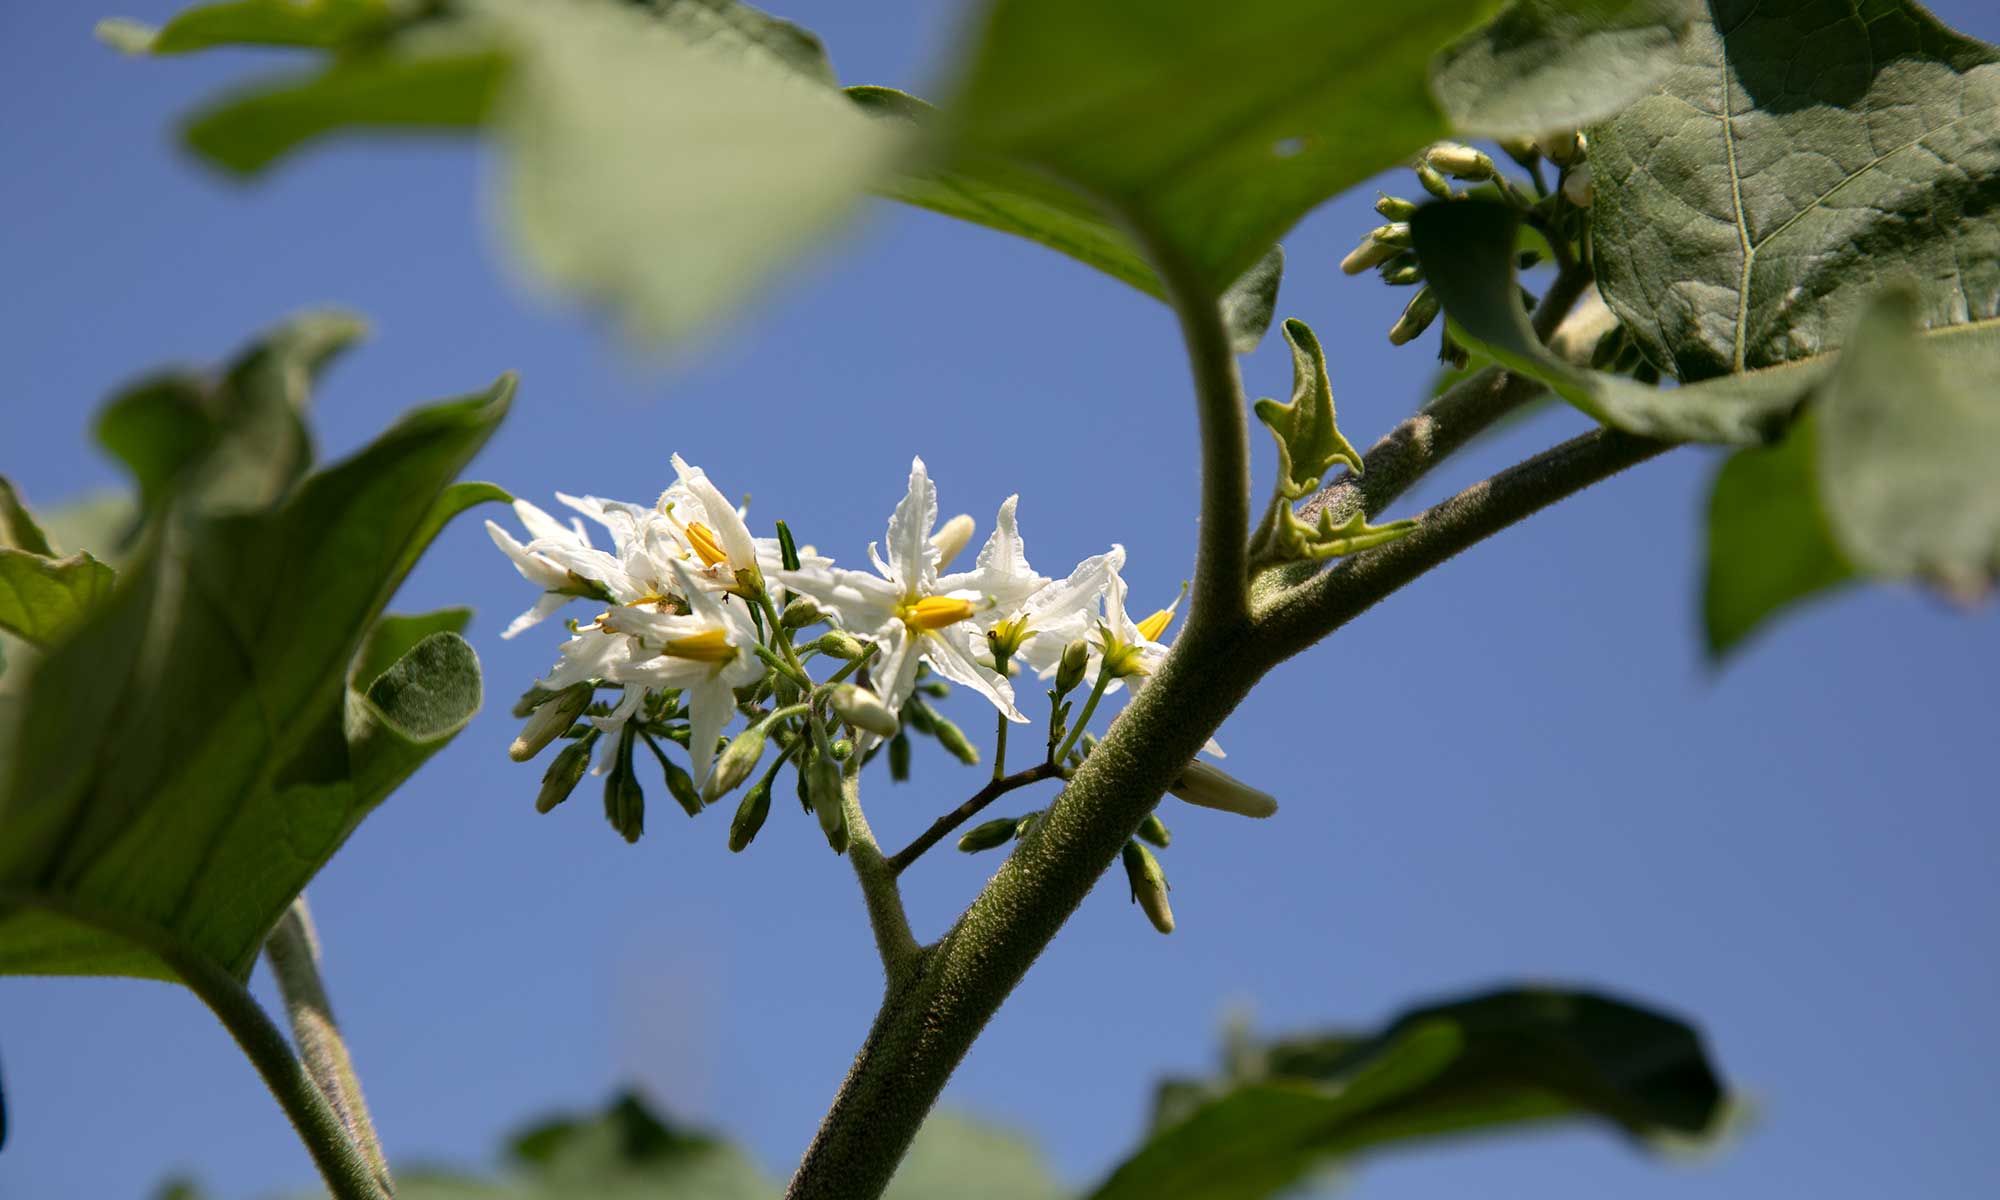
43	598
1769	546
1503	80
1308	437
1496	1060
18	528
192	753
966	1159
1218	126
1790	168
1466	248
319	24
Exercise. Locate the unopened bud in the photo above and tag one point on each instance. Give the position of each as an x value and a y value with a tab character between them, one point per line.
625	801
738	759
680	785
899	757
1577	186
1211	787
953	739
1521	149
1403	274
530	701
801	611
1395	208
835	644
1459	161
1433	182
549	720
951	538
823	783
1149	885
1370	253
1417	317
1395	233
750	815
1154	830
1075	661
1562	146
563	775
987	835
864	710
841	749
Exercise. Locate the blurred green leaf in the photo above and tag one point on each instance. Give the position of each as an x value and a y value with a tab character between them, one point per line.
1769	545
1787	170
42	598
1492	1061
958	1157
190	755
319	24
1219	126
18	528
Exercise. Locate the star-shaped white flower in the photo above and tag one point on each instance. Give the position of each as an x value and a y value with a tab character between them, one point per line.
911	613
1061	612
538	566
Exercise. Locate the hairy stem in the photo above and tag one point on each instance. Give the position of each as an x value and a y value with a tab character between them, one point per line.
943	826
293	952
877	876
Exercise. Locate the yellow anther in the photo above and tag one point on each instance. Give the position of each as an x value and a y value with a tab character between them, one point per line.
936	612
1152	627
709	646
702	538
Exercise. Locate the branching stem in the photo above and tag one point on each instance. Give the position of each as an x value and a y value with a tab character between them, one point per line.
943	826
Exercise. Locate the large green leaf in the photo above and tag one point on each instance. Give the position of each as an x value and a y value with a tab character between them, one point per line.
1218	126
1803	154
1467	251
192	753
1493	1061
320	24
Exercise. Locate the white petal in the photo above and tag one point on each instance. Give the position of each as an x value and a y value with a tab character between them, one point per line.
911	556
538	523
722	515
710	705
895	670
951	657
860	600
543	609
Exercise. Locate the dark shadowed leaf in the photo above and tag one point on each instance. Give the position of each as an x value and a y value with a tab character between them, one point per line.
1801	156
1498	1060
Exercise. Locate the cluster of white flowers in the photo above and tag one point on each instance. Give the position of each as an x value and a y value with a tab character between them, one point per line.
686	595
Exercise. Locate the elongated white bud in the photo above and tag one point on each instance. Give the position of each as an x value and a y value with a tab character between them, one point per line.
549	720
1459	161
1149	885
1211	787
951	538
738	759
1577	186
864	710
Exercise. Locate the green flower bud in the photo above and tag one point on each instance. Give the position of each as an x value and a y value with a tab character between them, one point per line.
899	757
987	835
1417	317
1370	253
530	701
1075	661
1395	233
1154	830
563	774
841	749
1027	823
624	801
1433	182
750	815
738	759
549	720
823	782
953	739
1149	885
1395	208
1459	161
835	644
680	785
1212	787
864	710
1402	275
800	612
1521	149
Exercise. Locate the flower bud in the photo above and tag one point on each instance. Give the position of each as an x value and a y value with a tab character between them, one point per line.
835	644
1154	830
680	785
1402	274
1211	787
1370	253
738	759
1433	182
530	701
1521	149
1149	885
1577	187
841	749
864	710
563	775
1075	660
1417	317
1395	233
550	719
899	757
951	538
1562	146
986	836
625	801
953	739
1395	208
823	783
1453	355
1459	161
750	815
801	611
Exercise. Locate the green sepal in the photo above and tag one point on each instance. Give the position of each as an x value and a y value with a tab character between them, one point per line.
1309	441
1296	539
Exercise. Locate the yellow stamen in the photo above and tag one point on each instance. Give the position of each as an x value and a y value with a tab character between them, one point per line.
1152	627
936	612
702	538
709	646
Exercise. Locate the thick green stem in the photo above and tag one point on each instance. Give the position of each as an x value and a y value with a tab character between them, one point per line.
293	952
884	900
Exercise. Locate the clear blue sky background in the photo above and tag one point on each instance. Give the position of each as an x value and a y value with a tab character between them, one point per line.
1519	769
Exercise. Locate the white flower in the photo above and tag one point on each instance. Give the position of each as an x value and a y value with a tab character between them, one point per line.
705	653
908	611
1061	612
1133	647
537	566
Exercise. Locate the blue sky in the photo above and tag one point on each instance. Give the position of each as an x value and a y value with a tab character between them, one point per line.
1520	768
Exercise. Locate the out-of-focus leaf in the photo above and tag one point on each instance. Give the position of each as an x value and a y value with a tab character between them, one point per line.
1466	248
42	598
1769	545
18	528
1802	155
966	1159
318	24
189	756
1218	126
1492	1061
